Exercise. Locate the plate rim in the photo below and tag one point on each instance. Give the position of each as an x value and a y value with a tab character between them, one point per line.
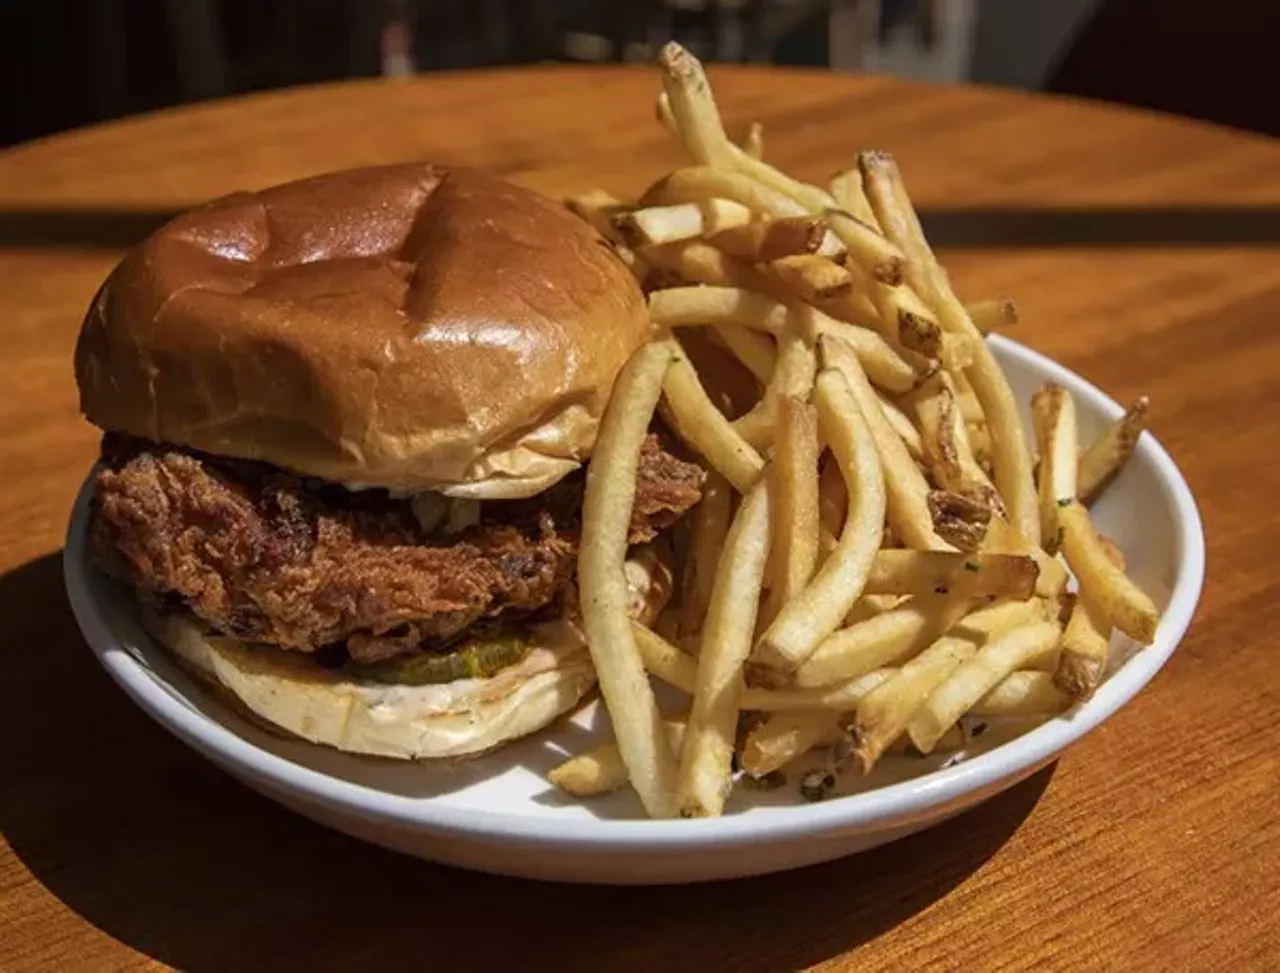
895	802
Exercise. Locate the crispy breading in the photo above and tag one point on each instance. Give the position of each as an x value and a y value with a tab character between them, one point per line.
275	558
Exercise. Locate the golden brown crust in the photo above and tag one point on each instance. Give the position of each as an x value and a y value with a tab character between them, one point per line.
408	327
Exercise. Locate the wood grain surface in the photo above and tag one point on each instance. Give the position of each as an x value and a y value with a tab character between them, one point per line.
1143	252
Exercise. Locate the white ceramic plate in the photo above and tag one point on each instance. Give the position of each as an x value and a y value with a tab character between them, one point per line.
498	813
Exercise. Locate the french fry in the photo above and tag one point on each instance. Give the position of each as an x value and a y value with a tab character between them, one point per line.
885	640
833	248
900	223
977	676
810	277
879	259
901	316
880	362
648	226
817	611
983	623
606	515
764	239
696	122
1023	693
855	307
1085	644
1118	599
992	315
1112	551
699	184
956	352
794	497
756	351
598	208
698	125
698	422
1053	415
793	375
833	498
694	116
666	118
895	311
838	699
682	307
1106	456
954	739
869	606
898	587
883	714
903	426
959	520
783	737
698	262
1047	661
710	525
941	572
846	189
679	669
905	485
967	399
1061	606
707	755
601	770
1003	538
752	141
946	443
666	661
917	328
980	440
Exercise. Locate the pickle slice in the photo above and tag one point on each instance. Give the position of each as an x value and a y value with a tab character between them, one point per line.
478	659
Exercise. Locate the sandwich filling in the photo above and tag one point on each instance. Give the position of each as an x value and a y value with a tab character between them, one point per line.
353	578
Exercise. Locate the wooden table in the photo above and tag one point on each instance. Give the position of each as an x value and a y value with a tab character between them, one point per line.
1143	252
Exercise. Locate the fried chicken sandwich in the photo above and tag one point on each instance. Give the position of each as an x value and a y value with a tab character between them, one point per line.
345	422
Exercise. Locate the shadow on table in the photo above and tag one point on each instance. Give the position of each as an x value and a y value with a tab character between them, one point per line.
946	228
160	850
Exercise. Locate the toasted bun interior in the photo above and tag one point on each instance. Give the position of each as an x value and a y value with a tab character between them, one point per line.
410	327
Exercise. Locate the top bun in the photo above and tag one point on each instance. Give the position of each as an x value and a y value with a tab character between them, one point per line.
411	327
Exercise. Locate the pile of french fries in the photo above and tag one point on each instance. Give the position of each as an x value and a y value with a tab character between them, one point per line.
877	556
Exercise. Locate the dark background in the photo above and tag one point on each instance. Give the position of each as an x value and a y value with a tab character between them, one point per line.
70	62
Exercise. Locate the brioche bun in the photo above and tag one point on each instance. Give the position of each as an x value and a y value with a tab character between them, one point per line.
287	691
411	327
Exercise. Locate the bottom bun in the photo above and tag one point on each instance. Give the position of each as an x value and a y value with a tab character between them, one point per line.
290	692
